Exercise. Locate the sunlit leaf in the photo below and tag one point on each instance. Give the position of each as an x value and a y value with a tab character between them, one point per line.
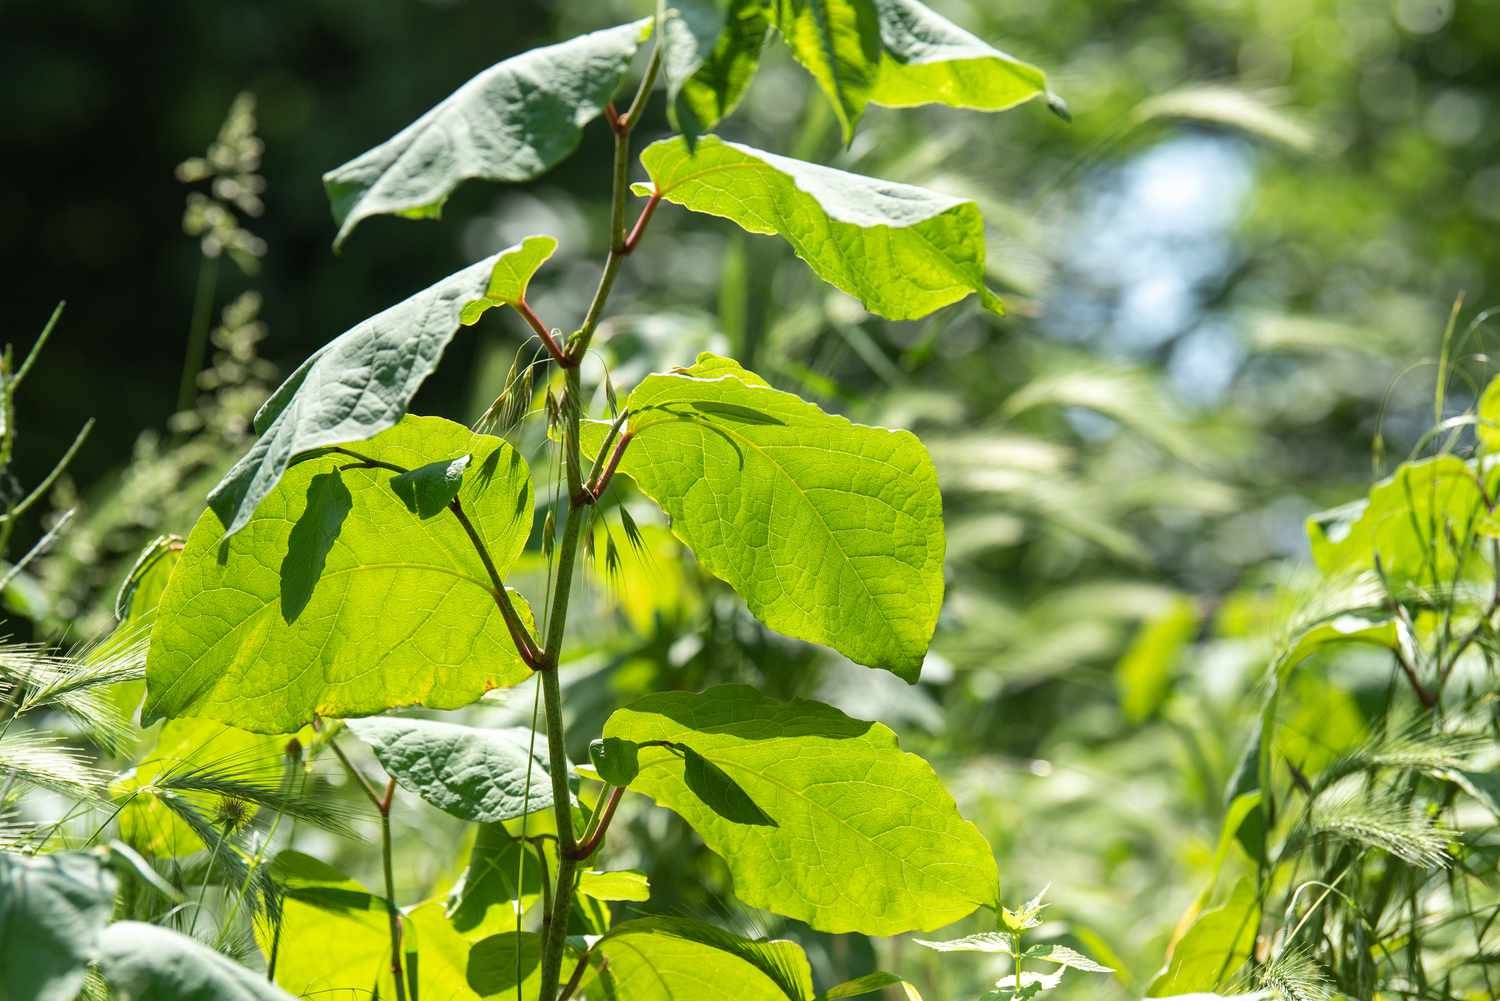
895	855
838	42
831	531
902	251
662	959
930	60
334	934
1214	948
396	612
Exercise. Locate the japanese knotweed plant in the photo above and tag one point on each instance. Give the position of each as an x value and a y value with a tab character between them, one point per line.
355	561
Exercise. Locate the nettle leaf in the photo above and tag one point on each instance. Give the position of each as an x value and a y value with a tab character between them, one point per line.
143	962
902	251
511	123
838	42
930	60
335	934
831	531
661	959
985	941
1064	956
52	909
1410	522
361	383
705	85
893	853
295	618
474	774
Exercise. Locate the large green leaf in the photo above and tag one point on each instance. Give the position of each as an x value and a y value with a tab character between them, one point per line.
484	775
503	874
295	618
334	934
838	42
863	837
930	60
831	531
1214	948
147	823
707	77
900	250
361	382
664	959
52	908
142	962
1410	523
513	122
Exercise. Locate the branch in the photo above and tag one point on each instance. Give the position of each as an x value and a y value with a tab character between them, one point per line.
525	645
592	840
553	348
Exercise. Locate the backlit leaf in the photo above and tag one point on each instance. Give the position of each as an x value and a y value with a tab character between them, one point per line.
473	773
52	909
900	250
618	884
335	934
401	613
1214	948
894	854
361	382
831	531
663	959
930	60
513	122
1410	523
704	87
838	42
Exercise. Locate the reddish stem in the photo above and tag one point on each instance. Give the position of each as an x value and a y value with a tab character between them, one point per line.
616	123
588	847
597	488
390	793
640	223
524	308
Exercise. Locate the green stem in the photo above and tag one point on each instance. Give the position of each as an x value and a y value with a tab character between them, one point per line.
203	305
554	934
390	890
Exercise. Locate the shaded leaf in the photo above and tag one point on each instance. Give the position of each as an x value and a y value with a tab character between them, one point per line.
142	962
615	760
428	490
472	773
52	910
360	383
513	122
